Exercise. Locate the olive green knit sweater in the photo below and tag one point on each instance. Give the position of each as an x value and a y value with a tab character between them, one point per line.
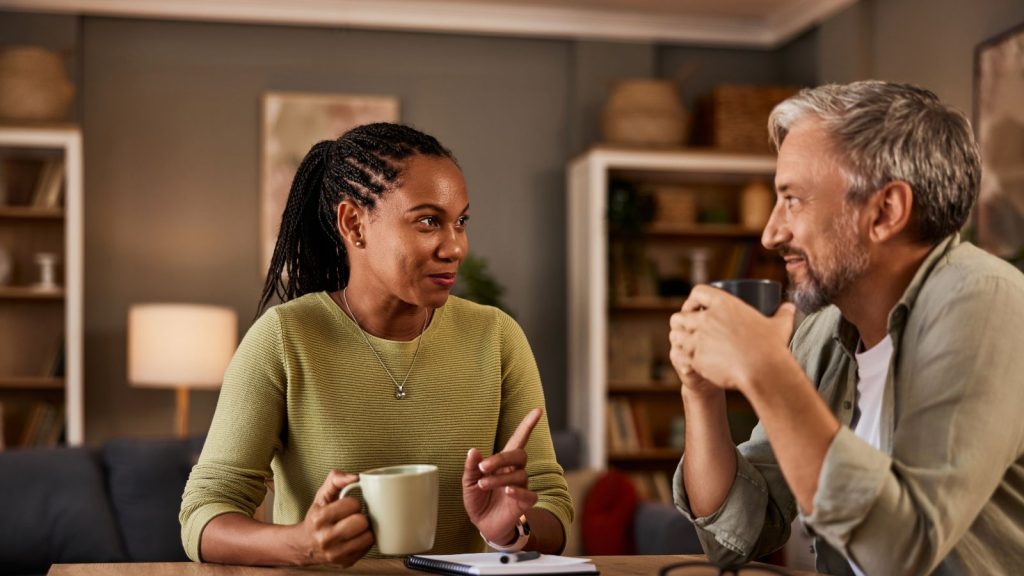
305	394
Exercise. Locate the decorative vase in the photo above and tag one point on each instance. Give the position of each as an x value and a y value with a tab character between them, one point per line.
756	202
645	112
34	84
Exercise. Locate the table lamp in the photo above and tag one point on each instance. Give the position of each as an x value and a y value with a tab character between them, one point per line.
180	346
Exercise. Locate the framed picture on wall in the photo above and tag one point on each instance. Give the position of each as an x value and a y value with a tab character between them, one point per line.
999	122
291	123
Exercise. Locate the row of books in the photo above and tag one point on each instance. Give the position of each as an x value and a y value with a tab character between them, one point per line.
43	426
49	186
738	262
628	426
654	486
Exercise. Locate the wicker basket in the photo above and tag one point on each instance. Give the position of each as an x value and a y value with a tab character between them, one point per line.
644	112
33	85
739	116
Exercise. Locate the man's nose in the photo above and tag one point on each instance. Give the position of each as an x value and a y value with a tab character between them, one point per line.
776	232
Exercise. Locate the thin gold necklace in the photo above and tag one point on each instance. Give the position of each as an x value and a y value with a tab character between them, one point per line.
399	388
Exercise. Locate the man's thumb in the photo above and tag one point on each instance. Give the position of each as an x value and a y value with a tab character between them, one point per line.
785	315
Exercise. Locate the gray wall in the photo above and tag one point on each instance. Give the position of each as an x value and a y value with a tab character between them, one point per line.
170	116
171	110
926	42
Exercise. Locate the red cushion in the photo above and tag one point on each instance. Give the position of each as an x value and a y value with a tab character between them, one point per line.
608	515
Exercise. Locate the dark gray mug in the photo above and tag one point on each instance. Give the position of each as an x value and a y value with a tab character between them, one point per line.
765	295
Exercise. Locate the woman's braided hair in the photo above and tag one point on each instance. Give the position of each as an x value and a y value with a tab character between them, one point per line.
361	165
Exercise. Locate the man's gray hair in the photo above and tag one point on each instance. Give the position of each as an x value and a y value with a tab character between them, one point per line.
883	131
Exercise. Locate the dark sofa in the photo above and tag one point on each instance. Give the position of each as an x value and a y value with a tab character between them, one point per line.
117	503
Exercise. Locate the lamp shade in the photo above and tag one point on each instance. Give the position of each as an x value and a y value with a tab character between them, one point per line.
174	345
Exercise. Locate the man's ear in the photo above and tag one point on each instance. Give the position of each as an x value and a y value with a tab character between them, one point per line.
351	217
890	209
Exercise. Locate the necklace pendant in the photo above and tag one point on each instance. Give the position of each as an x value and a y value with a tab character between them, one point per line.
400	394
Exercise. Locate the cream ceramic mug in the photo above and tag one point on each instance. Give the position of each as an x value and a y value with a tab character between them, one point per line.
402	505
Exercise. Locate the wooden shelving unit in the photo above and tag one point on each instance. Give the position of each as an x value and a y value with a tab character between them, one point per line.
629	417
41	387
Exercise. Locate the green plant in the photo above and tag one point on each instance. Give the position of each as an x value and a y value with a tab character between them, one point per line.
475	282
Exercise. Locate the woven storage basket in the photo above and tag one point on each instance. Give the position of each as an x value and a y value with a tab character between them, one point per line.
33	84
644	112
739	116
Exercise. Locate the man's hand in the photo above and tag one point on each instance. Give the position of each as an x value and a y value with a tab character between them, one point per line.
494	490
720	341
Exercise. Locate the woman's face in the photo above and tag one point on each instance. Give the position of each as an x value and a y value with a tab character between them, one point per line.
416	238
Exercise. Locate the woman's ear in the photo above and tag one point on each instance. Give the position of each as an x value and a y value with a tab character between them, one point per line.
890	210
350	223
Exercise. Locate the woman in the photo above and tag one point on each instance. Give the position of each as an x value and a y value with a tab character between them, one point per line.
370	362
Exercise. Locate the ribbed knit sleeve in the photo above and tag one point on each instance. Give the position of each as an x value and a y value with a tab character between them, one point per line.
522	392
235	463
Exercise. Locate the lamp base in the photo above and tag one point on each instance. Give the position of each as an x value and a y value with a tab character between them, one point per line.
181	412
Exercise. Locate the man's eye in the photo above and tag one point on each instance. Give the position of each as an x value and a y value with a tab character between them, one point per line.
463	220
790	201
428	220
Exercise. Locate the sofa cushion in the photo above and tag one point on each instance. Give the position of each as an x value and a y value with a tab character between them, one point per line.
662	529
608	515
146	479
55	509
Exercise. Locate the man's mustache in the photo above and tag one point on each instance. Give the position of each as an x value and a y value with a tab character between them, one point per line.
785	251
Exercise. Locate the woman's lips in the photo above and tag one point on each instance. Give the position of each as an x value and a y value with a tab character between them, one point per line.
443	280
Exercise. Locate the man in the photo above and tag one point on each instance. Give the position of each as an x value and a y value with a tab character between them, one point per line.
893	422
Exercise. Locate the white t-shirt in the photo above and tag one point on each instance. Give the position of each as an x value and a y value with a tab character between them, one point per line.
872	369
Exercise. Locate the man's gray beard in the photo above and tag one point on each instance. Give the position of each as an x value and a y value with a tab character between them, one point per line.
846	263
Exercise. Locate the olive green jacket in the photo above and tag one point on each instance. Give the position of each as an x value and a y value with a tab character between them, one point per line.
945	494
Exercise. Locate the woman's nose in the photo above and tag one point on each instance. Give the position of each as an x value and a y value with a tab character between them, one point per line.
454	246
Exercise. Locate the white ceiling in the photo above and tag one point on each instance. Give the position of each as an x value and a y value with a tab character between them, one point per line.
749	23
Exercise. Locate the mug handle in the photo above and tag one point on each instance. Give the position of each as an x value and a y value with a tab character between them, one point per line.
349	488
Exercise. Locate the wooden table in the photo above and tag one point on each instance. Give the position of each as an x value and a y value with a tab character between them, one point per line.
608	565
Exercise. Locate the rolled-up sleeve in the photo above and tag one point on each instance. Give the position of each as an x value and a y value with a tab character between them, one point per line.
755	518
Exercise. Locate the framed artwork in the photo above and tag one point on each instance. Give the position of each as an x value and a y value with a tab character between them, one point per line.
999	122
291	123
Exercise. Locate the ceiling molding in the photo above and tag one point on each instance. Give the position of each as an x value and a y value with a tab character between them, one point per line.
468	18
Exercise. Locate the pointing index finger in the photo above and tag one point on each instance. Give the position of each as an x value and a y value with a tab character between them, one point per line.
522	433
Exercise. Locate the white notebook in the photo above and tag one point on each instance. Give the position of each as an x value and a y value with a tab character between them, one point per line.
489	563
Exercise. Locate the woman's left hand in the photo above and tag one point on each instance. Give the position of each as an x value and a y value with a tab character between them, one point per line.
494	489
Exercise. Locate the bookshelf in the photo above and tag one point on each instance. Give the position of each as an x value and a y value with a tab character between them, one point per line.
623	394
41	387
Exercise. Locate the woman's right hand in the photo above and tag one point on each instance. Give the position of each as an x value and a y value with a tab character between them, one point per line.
335	531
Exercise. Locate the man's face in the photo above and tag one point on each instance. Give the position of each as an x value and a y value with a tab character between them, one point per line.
812	226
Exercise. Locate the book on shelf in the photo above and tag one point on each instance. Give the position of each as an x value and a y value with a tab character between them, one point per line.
628	425
662	487
56	367
49	184
490	564
615	441
652	486
44	425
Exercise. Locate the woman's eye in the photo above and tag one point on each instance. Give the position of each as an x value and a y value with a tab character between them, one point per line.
428	220
463	221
